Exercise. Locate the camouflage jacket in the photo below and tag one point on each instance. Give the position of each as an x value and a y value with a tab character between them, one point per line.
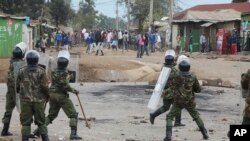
11	74
60	82
245	84
32	85
185	87
170	87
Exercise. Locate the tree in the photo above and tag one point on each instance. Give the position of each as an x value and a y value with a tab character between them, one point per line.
28	8
59	11
238	1
86	16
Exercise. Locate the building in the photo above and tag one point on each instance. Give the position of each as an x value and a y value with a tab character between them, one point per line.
12	31
209	19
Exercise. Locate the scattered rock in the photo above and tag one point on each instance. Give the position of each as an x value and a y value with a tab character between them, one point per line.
210	130
81	84
220	91
212	57
134	122
132	140
138	117
238	104
88	119
122	134
143	121
224	119
176	130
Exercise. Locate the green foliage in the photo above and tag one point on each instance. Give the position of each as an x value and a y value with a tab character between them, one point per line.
105	22
59	11
31	8
238	1
85	17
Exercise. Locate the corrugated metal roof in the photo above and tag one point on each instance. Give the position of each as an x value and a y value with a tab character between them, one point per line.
3	15
244	8
210	16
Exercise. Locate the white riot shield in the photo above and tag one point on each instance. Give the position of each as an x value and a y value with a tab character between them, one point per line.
16	67
159	87
73	68
182	58
64	54
44	61
23	46
170	52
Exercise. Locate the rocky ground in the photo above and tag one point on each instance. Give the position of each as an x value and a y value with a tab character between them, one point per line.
118	112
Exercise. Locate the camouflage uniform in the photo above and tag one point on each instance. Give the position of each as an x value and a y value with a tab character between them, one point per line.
184	97
33	88
245	82
168	97
59	98
11	93
15	65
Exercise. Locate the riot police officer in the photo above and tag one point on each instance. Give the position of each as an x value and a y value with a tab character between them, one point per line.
186	84
59	96
32	84
16	63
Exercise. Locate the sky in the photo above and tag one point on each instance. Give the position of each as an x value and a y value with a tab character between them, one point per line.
107	7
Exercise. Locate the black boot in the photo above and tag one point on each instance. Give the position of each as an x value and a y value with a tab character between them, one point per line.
154	115
102	53
178	121
73	135
36	132
5	131
204	132
97	52
45	137
25	138
168	134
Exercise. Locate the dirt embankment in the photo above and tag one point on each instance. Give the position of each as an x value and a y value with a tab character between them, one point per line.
125	67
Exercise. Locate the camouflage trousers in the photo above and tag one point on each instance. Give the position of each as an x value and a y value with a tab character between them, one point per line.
176	109
28	110
9	105
246	121
58	101
166	105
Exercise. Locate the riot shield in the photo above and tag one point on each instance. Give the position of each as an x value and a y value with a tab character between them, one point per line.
23	46
44	61
159	87
73	66
170	52
16	67
182	58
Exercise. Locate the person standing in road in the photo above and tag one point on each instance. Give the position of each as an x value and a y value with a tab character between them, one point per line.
32	84
141	41
16	63
186	84
203	42
167	95
59	98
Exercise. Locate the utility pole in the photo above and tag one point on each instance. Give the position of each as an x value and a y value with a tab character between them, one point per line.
128	14
151	14
170	22
117	17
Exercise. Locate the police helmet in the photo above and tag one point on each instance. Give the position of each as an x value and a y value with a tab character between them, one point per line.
182	58
32	58
19	50
169	57
62	63
17	53
184	67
